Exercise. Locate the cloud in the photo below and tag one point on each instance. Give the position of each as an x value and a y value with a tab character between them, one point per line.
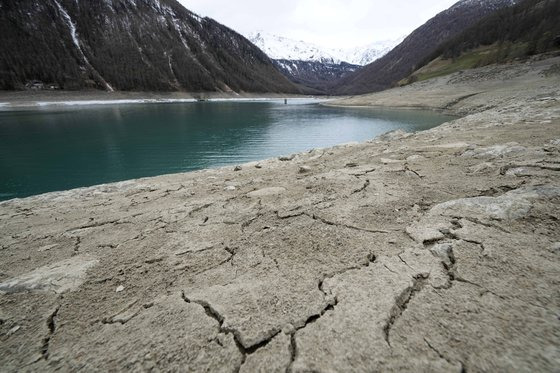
332	23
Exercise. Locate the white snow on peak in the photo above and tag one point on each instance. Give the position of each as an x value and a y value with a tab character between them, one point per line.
279	47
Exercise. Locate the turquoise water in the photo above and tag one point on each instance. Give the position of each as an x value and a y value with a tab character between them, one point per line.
63	148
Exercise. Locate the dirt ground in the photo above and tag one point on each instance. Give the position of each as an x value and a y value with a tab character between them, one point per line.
430	252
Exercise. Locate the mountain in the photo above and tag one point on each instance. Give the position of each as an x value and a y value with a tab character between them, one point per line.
137	45
413	51
314	74
282	48
527	28
366	54
313	66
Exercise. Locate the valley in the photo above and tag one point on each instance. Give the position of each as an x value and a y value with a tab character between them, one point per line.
210	202
409	245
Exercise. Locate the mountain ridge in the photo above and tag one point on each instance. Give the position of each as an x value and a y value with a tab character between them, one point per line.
282	48
128	45
415	48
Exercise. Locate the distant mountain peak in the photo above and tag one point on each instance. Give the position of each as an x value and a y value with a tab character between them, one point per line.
282	48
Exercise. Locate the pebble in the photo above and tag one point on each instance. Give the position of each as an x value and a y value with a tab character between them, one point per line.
120	288
14	330
237	168
287	158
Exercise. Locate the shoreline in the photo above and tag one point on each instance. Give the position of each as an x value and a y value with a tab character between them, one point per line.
23	100
432	251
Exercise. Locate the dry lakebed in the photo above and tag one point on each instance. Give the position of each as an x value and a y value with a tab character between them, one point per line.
430	252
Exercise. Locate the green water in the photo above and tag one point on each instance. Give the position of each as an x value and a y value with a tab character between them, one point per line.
51	149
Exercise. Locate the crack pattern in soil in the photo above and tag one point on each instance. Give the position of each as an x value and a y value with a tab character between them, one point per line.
401	304
51	326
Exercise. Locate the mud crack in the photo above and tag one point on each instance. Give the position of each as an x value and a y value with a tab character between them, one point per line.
341	225
214	314
51	326
401	304
364	187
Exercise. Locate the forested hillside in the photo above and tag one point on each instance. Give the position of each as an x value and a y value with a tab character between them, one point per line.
417	47
139	45
530	27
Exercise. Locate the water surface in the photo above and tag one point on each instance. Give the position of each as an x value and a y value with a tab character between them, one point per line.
53	149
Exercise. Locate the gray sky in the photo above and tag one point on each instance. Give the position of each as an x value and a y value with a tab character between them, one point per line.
331	23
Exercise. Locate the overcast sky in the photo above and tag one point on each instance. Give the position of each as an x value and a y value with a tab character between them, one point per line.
331	23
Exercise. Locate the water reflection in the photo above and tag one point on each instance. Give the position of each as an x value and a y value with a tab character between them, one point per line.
47	150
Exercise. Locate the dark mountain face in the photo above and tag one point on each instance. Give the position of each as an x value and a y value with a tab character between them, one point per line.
314	74
418	46
127	45
527	28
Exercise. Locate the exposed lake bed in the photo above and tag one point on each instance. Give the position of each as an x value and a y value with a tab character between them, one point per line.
433	251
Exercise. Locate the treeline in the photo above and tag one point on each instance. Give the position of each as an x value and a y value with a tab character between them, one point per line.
528	28
143	45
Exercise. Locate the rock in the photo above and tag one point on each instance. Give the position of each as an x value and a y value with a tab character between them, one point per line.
304	169
119	289
287	158
422	234
510	206
555	142
272	191
390	161
555	248
59	277
481	168
454	145
237	168
13	330
351	165
394	135
519	172
495	151
414	157
444	251
47	247
258	165
348	144
230	188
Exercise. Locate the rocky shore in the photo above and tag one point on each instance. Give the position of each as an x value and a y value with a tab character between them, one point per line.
435	251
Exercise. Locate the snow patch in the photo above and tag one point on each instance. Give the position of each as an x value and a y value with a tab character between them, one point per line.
76	41
281	48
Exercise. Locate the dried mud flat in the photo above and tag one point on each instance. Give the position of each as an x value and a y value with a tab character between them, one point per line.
438	251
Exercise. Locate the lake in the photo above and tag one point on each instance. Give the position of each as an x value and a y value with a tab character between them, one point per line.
52	149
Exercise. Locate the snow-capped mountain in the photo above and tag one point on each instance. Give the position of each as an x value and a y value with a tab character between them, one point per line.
367	54
282	48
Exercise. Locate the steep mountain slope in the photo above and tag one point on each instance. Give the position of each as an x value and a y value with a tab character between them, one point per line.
314	74
527	28
127	45
408	55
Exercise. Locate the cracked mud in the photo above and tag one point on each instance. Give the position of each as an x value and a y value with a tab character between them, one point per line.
436	251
